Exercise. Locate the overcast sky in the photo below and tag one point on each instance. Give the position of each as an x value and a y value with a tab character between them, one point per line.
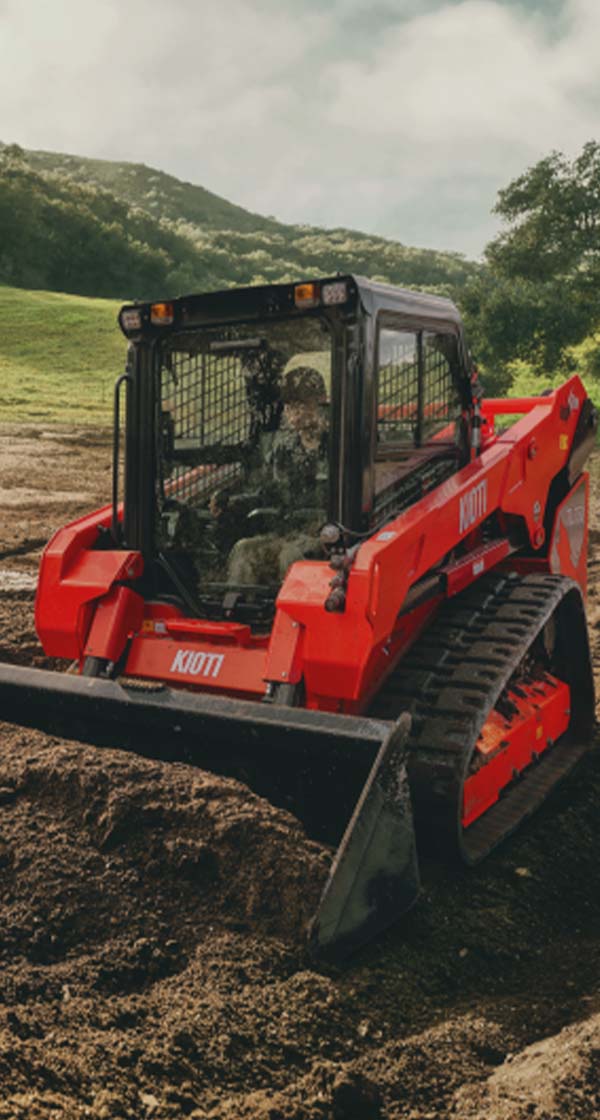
399	117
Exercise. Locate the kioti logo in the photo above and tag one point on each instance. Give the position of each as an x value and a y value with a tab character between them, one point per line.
473	506
196	663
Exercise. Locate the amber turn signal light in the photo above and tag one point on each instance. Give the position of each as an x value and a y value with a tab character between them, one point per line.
306	295
161	314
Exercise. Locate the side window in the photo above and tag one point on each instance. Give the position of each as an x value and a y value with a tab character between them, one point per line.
441	402
417	395
397	386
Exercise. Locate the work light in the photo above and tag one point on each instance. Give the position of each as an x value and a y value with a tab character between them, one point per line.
131	319
336	292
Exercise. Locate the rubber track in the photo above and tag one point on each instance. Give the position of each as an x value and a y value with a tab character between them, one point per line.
450	681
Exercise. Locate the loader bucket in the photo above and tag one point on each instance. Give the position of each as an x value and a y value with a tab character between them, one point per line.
343	777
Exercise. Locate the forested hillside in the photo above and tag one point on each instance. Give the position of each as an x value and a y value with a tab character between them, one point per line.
126	231
153	191
98	228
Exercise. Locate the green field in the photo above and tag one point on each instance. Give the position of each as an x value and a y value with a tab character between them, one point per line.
59	356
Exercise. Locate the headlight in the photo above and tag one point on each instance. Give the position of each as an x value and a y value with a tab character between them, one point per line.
130	320
330	534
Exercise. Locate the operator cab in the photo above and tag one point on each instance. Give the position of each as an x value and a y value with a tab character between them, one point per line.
255	416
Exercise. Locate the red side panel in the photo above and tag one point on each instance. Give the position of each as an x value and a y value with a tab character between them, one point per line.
219	665
72	578
569	540
506	747
116	617
462	573
284	659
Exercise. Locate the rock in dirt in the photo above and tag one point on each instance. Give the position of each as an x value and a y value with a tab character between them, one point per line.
554	1079
327	1092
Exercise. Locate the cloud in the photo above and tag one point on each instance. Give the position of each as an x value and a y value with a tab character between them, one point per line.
475	90
470	74
145	69
403	118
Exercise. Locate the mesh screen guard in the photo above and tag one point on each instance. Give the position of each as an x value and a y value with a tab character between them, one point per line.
243	450
205	411
416	390
219	390
418	405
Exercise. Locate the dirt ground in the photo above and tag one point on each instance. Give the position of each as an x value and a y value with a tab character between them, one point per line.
149	918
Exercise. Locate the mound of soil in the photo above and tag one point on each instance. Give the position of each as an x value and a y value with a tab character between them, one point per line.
151	934
139	837
125	883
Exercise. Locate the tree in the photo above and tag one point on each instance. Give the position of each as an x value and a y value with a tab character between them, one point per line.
541	293
554	209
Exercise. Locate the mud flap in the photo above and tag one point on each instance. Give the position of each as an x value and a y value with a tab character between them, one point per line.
374	877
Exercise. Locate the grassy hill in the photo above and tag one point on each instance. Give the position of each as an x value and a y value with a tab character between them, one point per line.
98	228
59	356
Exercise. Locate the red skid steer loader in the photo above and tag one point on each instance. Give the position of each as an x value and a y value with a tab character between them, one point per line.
330	571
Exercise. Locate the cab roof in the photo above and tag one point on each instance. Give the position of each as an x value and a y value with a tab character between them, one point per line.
376	296
268	301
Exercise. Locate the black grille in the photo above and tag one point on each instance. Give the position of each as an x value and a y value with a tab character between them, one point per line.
441	404
206	420
416	392
410	489
397	387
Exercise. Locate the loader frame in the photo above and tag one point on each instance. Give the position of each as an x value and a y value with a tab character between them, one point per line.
428	496
100	600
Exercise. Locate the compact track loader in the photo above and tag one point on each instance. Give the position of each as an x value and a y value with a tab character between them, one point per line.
331	570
